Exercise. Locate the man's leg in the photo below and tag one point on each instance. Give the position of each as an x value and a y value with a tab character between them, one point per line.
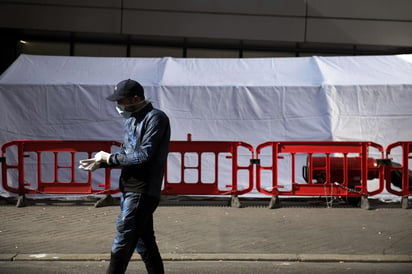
127	233
147	246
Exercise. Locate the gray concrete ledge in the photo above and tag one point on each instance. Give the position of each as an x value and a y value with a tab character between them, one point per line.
219	257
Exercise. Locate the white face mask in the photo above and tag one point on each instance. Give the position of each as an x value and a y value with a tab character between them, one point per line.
121	110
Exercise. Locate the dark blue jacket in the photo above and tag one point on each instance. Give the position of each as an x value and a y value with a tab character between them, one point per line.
143	154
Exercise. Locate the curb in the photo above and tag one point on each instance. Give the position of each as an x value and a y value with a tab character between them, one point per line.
371	258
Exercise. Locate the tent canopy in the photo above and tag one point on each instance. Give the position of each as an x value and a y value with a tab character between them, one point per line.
365	98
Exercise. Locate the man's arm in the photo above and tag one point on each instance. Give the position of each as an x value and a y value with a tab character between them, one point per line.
157	125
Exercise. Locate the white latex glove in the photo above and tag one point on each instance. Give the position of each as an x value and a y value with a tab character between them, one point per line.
102	157
89	164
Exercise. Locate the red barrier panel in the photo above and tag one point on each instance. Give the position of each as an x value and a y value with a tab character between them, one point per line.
60	158
200	167
398	174
332	168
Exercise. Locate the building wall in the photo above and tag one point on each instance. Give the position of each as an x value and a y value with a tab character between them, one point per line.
227	28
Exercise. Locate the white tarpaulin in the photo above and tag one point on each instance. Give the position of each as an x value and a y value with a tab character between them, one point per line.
367	98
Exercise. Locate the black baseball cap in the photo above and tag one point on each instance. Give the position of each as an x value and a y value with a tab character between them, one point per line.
126	88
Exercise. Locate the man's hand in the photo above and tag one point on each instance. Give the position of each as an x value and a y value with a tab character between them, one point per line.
102	157
94	163
89	164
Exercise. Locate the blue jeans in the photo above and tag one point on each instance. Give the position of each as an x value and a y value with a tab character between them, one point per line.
134	227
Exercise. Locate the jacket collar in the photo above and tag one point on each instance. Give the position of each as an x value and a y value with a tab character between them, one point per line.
139	115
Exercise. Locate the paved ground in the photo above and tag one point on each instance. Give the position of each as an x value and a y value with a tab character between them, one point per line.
187	230
207	267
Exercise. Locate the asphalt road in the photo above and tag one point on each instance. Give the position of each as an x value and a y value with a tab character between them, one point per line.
206	267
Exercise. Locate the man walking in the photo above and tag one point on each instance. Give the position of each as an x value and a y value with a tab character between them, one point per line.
142	158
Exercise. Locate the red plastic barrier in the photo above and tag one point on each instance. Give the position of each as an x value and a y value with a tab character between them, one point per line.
325	173
330	168
195	167
50	154
398	173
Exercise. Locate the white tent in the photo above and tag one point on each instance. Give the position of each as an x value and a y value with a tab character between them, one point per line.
367	98
253	100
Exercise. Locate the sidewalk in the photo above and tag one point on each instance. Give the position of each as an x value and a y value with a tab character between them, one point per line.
210	230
